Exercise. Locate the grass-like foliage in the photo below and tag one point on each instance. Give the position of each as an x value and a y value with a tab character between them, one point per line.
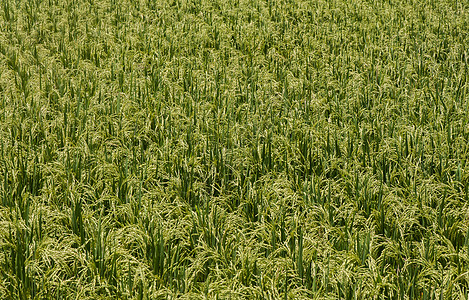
235	149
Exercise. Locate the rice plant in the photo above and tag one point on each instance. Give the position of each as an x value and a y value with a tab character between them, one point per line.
239	149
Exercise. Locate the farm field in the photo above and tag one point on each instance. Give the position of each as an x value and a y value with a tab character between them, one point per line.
237	149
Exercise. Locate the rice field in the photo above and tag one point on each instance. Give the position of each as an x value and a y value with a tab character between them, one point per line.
236	149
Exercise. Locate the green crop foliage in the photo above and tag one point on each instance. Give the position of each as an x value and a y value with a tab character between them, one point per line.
238	149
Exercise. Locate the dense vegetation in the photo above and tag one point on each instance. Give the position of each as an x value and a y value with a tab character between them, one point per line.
278	149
